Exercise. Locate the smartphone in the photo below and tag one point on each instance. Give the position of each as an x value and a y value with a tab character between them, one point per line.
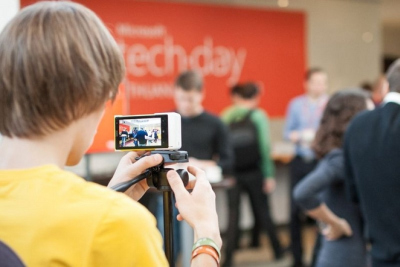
159	131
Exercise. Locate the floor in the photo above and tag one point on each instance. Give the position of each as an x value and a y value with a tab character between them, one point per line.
263	256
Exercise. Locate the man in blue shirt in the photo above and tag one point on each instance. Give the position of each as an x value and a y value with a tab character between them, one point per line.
302	121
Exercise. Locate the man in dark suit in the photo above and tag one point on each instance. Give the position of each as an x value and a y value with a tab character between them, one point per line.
372	160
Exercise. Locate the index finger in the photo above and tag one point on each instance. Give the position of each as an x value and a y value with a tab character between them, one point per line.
200	175
176	184
146	162
134	154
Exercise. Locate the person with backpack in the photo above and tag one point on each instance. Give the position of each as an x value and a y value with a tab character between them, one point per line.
254	169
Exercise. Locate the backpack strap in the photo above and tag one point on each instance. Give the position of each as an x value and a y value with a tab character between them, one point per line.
247	117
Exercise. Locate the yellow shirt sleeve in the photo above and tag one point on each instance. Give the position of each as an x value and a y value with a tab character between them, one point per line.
127	236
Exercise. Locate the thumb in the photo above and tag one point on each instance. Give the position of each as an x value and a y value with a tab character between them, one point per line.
177	186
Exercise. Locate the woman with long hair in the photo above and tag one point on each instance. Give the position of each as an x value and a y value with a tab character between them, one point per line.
322	192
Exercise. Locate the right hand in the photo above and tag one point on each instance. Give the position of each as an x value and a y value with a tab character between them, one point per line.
198	208
128	168
337	229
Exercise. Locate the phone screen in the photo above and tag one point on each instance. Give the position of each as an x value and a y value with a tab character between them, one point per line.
141	132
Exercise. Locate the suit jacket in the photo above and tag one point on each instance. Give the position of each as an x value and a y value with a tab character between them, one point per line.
372	163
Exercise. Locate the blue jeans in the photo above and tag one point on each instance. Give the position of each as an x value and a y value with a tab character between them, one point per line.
123	140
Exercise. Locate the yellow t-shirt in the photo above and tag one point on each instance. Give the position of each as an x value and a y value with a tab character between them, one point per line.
51	217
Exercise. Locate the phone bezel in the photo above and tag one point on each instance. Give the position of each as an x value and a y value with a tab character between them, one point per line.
164	132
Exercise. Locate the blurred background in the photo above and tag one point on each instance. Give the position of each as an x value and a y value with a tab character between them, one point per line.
271	42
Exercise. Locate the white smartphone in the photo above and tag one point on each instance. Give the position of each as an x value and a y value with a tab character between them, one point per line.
159	131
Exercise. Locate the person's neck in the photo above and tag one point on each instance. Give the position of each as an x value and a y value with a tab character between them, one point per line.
196	112
314	98
244	103
23	153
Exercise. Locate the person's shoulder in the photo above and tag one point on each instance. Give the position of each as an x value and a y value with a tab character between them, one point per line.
211	118
297	100
259	115
335	155
126	212
227	111
88	196
363	118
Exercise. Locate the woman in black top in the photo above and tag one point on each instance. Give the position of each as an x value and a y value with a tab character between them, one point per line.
322	192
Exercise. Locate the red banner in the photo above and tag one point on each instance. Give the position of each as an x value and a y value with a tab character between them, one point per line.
226	44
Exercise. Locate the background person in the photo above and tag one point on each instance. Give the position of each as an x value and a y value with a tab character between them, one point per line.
378	90
372	156
322	192
124	136
59	66
302	121
135	141
254	169
155	135
204	135
141	137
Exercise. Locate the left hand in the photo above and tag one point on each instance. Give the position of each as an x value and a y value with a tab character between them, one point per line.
269	185
128	168
337	229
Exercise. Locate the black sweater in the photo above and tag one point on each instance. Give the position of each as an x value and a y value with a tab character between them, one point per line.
205	137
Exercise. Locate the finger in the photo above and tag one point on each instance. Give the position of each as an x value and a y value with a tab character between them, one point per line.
146	162
143	184
191	184
349	232
133	155
199	174
177	186
330	235
326	231
179	217
330	238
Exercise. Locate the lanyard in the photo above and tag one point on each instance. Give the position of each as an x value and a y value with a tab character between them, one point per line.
312	117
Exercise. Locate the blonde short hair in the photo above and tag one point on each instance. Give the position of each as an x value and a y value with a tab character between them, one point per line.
58	63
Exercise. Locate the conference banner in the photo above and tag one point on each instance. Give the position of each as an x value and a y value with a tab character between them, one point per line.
226	44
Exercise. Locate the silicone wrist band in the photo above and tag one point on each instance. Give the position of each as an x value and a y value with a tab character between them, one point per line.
206	250
205	241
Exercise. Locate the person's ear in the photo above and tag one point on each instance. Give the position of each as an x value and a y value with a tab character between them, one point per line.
202	95
385	87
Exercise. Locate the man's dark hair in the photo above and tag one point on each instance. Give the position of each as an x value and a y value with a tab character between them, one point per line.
189	80
310	72
247	90
393	76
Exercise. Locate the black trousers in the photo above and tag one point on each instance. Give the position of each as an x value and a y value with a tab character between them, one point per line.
298	170
250	182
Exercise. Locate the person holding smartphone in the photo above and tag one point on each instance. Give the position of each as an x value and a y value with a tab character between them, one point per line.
59	66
